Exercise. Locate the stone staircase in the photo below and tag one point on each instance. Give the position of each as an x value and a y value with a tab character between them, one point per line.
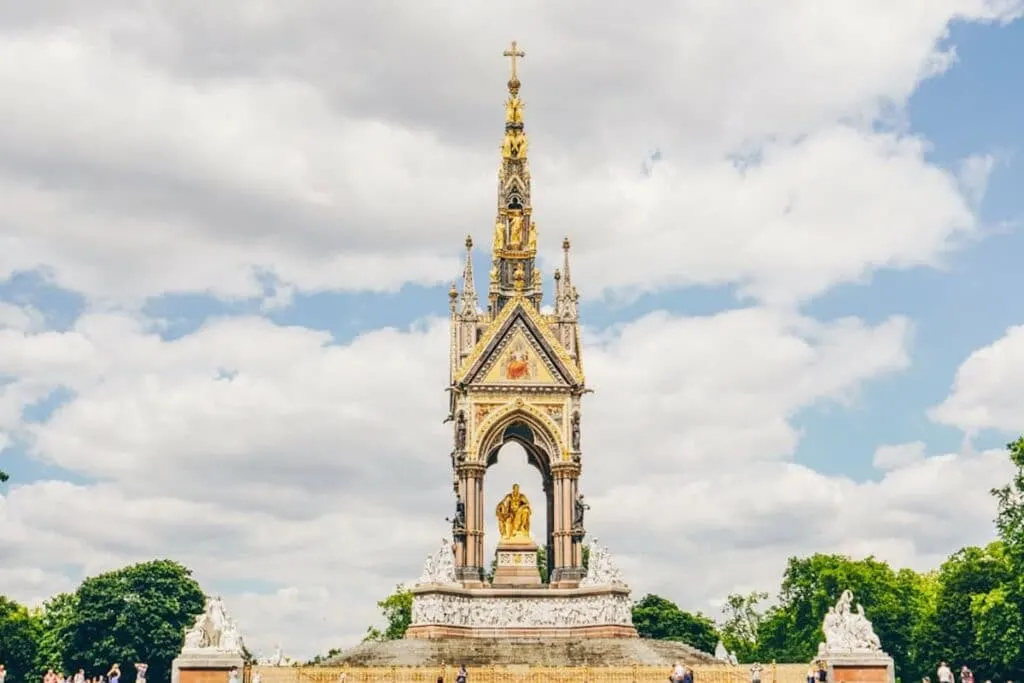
521	651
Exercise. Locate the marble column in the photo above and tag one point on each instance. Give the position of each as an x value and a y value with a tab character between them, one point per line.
469	563
568	566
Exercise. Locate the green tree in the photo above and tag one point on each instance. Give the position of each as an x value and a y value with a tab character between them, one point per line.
397	611
998	615
968	574
17	641
3	477
661	619
135	614
742	616
54	626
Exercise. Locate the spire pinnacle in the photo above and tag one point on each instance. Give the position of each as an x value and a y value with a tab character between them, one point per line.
514	248
469	300
513	53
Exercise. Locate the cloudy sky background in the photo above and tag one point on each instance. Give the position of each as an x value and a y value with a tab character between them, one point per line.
227	231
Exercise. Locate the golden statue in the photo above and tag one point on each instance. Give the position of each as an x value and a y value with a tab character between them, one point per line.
513	146
513	110
531	240
513	514
515	240
499	235
494	273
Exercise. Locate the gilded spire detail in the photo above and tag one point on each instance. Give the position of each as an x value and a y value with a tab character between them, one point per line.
514	247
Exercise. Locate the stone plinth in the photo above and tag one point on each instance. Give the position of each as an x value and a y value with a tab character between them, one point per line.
516	565
859	667
452	611
203	666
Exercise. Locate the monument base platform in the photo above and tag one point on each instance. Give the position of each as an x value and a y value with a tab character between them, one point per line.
453	611
204	667
516	565
855	667
538	652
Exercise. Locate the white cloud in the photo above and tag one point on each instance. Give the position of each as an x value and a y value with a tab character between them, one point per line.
988	392
216	147
207	148
896	456
259	453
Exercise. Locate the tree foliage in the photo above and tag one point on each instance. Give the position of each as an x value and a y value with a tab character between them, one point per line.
17	641
397	612
742	616
135	614
54	626
661	619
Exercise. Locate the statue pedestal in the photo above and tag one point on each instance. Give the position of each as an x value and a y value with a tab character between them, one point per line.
205	666
516	565
858	667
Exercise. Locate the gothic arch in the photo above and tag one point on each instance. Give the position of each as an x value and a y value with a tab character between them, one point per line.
542	438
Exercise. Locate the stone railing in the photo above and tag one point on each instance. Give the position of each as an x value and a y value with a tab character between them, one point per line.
780	673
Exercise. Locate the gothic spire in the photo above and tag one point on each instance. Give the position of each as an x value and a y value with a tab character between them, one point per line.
514	247
469	304
566	295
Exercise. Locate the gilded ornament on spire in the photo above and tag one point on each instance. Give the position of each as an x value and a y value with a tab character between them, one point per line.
513	53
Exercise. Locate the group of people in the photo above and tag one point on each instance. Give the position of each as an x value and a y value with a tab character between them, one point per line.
112	676
681	673
944	674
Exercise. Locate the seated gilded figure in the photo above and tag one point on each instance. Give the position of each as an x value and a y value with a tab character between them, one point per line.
513	514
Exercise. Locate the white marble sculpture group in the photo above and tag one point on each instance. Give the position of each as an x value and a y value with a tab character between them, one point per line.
601	570
847	630
439	567
213	631
723	655
522	612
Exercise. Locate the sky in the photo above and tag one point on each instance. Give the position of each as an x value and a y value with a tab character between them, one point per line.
228	230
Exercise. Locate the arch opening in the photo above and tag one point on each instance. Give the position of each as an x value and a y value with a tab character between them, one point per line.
517	460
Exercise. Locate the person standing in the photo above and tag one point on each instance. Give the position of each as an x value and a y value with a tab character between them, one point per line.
3	674
462	676
966	675
114	675
944	674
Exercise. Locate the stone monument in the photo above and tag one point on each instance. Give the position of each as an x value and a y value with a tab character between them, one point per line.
852	653
212	648
516	375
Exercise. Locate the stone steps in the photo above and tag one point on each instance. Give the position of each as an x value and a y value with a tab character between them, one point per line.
522	651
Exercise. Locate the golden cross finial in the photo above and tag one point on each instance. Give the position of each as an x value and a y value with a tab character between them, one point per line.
512	53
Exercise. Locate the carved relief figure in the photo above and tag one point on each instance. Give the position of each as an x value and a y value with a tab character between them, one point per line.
575	425
514	145
514	110
518	365
579	508
499	235
513	513
460	431
516	236
531	240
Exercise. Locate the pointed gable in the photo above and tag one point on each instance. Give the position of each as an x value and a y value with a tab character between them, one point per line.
519	349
